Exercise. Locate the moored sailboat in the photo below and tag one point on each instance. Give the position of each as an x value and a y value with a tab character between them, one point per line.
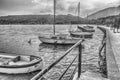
86	29
59	38
80	33
87	26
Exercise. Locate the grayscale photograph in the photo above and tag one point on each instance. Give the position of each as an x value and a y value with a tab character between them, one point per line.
59	40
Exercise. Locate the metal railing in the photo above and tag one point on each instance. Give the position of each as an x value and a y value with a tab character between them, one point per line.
102	55
79	45
79	56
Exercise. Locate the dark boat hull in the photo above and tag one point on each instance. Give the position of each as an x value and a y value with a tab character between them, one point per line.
88	27
81	34
85	30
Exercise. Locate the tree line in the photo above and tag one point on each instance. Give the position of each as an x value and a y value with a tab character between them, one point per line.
44	19
111	21
60	19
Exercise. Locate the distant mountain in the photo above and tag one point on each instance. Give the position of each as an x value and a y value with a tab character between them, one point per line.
39	19
109	19
111	11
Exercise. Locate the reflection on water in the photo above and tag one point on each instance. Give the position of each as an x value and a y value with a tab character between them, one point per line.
14	39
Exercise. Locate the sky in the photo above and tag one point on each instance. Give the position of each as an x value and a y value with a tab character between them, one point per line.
36	7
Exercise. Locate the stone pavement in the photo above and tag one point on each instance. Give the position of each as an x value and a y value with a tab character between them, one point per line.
115	43
113	55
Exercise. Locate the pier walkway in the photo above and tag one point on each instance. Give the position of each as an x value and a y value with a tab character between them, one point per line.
113	55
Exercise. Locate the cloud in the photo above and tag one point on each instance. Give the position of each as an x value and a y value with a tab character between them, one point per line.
17	7
91	6
12	4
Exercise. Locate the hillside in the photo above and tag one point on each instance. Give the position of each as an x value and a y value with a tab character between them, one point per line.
109	19
39	19
111	11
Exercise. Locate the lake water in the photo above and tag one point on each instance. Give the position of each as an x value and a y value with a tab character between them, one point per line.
14	40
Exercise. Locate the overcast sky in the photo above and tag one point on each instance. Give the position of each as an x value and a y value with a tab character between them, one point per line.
24	7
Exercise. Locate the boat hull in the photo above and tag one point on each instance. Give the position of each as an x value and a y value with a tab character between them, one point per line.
22	70
81	34
89	27
58	41
20	67
86	30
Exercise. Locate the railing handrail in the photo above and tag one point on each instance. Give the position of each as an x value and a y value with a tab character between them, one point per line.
40	74
67	68
102	55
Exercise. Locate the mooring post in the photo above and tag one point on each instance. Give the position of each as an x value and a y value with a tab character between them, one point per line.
55	44
79	60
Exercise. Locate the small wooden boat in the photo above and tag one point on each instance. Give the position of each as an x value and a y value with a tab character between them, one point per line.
17	64
59	39
85	29
81	34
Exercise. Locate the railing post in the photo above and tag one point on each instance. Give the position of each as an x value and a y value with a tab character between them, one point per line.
79	60
44	71
105	59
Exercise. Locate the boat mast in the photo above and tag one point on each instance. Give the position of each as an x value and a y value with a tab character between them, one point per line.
54	8
78	12
87	19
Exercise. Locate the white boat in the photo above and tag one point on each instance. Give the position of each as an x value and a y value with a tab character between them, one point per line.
79	33
59	39
18	64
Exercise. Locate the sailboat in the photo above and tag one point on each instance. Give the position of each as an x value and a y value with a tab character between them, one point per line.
80	33
87	28
59	38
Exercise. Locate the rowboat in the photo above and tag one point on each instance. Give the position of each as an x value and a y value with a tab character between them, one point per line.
85	29
59	39
18	64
